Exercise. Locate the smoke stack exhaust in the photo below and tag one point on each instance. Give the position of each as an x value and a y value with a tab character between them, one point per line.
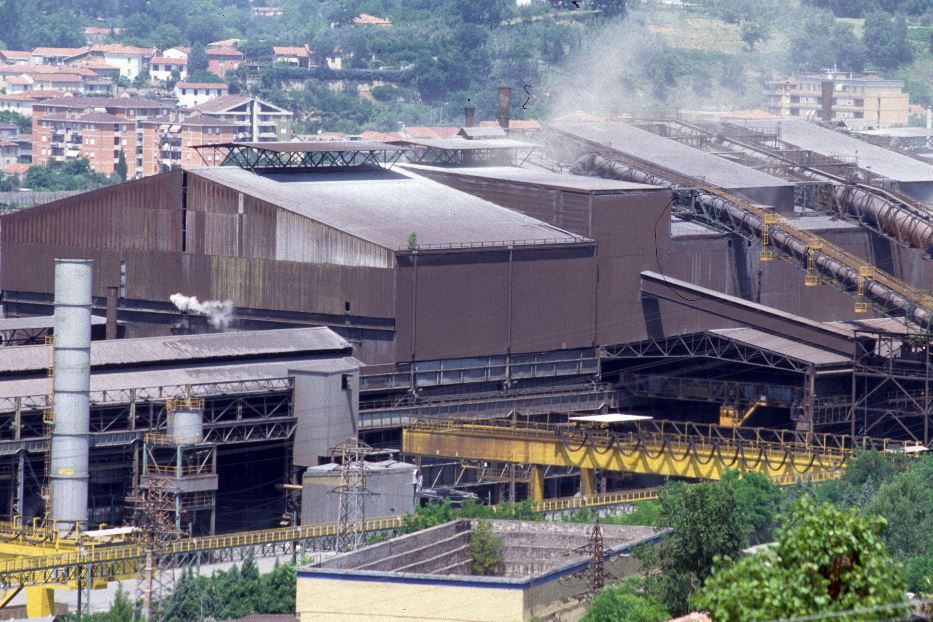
72	385
505	106
826	99
468	113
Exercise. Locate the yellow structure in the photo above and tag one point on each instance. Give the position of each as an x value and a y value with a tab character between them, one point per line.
679	449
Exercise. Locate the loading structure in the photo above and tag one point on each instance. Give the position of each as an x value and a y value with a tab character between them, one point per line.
871	287
849	191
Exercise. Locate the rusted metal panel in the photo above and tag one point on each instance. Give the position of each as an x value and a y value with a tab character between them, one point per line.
301	239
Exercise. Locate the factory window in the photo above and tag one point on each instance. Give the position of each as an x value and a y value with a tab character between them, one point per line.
859	115
795	112
795	99
859	102
346	306
346	382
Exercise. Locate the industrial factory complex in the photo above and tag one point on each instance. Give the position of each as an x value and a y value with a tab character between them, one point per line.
235	348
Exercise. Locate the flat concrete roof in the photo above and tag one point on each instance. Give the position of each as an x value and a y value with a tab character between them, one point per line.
540	177
673	155
828	142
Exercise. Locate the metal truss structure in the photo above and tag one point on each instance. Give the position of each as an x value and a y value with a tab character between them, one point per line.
707	345
260	157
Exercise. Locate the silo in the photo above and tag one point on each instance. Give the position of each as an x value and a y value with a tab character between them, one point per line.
186	421
71	383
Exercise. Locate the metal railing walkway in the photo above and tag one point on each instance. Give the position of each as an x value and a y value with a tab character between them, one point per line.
678	449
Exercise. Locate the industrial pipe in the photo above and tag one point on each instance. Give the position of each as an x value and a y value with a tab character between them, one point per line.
749	224
71	384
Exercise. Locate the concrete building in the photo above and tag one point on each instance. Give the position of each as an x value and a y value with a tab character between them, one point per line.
169	141
54	56
15	57
97	128
130	59
256	120
220	60
426	576
9	153
193	94
20	103
840	96
391	485
294	56
165	68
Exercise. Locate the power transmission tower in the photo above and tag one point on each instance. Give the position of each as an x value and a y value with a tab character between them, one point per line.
154	507
351	455
595	571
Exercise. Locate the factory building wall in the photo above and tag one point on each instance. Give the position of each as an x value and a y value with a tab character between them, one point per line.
460	304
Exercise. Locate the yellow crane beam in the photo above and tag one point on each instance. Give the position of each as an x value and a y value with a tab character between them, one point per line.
684	450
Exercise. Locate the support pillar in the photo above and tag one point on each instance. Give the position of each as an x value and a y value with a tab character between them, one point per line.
536	483
40	602
587	482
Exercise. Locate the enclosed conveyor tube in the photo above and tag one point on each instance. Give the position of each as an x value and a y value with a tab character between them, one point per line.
888	294
911	225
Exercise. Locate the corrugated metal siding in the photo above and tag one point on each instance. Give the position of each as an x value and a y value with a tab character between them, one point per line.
301	239
573	212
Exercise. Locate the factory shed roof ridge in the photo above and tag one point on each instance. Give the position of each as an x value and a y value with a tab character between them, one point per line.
153	350
672	155
538	177
386	207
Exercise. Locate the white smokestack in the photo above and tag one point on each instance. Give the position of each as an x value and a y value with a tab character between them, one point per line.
72	380
219	313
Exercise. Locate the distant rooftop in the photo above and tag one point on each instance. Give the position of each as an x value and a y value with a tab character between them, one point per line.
672	155
538	177
829	142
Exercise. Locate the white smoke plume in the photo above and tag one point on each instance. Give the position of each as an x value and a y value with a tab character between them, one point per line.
219	313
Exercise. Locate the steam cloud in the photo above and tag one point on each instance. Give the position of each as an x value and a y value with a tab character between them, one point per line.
219	313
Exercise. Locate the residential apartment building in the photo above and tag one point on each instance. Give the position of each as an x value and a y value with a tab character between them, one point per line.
53	56
857	99
191	94
15	57
220	60
96	128
295	56
9	152
129	59
165	68
169	141
255	120
20	103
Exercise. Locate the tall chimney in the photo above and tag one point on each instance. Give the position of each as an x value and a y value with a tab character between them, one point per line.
826	99
72	384
468	113
505	106
112	294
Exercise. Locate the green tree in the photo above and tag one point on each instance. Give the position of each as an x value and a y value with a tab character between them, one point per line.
758	500
623	603
826	561
277	590
886	40
906	502
485	550
197	59
23	122
122	608
120	170
707	524
753	31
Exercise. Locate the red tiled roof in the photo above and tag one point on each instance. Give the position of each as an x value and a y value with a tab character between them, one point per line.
58	51
45	94
104	102
17	168
224	51
18	80
16	54
86	117
60	77
381	136
222	103
693	617
126	50
290	50
21	97
430	132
